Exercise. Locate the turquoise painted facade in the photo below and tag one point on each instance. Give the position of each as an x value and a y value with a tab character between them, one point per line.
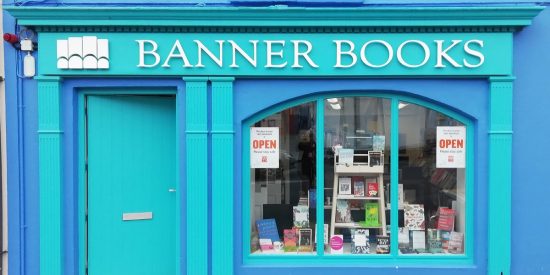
231	63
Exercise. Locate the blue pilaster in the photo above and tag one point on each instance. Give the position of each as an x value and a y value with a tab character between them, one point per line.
500	175
50	163
222	175
197	174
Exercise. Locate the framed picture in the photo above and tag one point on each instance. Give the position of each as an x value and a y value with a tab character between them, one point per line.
344	186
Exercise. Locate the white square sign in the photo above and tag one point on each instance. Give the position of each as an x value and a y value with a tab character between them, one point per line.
451	147
264	147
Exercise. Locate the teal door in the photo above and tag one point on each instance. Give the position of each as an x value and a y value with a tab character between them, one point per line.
131	185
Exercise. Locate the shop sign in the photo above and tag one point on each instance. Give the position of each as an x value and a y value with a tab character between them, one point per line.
264	147
315	54
451	147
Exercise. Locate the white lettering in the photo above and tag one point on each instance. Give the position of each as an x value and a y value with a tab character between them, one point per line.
475	53
424	47
270	53
305	54
180	53
152	52
364	56
339	53
442	54
237	48
201	48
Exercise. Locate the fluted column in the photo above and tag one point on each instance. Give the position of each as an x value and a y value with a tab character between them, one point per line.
197	174
222	175
500	175
50	165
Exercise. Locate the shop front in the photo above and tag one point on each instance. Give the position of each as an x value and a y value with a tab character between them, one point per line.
272	140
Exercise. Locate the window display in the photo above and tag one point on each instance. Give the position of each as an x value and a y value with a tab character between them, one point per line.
428	167
432	176
283	182
356	176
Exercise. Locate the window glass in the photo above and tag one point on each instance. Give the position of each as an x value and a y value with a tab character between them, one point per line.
357	169
430	173
431	182
283	182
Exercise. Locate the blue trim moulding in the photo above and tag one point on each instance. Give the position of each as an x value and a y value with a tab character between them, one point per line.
275	17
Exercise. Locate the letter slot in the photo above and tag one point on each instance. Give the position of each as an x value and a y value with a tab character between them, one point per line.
137	216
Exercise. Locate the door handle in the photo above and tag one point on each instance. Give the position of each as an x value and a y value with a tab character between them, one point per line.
172	190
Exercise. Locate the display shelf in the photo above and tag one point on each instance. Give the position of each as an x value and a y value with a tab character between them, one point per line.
353	197
355	225
365	170
358	168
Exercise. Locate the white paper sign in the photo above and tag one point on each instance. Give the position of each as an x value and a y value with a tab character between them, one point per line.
264	147
451	147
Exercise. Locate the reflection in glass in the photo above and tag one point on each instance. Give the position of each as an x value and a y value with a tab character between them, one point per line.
431	187
283	195
357	149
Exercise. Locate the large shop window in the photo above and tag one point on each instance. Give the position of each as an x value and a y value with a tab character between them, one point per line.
363	167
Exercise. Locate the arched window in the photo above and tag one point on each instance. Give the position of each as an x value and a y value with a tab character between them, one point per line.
358	174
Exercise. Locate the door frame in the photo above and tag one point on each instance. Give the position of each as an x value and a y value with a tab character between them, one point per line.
82	177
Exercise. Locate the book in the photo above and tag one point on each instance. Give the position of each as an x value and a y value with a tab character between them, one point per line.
414	216
267	229
378	143
360	241
325	233
372	189
301	216
312	196
445	237
371	214
375	159
382	245
403	237
359	188
290	240
304	240
266	244
456	243
343	211
435	244
337	244
445	219
419	240
344	186
345	157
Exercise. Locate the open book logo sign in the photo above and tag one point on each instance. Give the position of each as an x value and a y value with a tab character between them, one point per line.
87	52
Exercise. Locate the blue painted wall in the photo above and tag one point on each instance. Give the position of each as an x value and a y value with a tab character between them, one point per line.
530	188
530	156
